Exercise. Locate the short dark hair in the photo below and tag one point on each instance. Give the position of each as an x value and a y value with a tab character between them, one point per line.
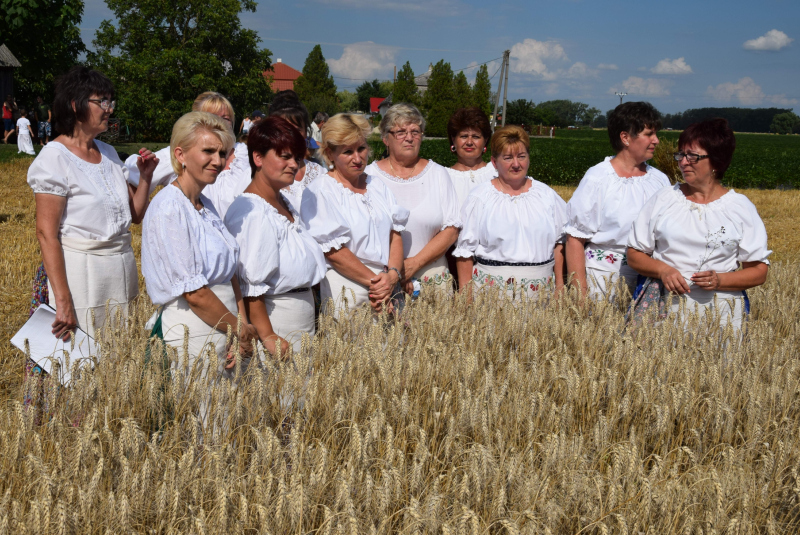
716	137
283	99
23	112
274	133
465	118
633	118
77	85
296	114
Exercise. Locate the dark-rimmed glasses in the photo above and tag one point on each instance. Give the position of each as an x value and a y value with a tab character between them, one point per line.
691	157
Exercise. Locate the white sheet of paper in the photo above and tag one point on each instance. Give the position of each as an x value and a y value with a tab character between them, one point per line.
46	348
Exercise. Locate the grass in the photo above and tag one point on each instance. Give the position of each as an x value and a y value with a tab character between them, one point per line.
484	419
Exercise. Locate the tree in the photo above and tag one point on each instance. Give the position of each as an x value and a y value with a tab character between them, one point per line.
462	91
45	37
348	101
440	99
366	91
784	123
405	88
316	88
589	116
567	112
521	112
482	91
161	59
545	117
601	121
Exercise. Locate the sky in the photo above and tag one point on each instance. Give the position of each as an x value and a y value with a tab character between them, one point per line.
676	55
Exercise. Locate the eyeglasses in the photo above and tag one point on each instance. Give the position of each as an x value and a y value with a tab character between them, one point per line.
105	103
402	134
691	157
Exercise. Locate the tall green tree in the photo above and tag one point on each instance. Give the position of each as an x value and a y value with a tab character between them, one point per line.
161	59
316	87
405	88
521	112
440	99
784	123
482	91
366	91
348	101
45	37
462	91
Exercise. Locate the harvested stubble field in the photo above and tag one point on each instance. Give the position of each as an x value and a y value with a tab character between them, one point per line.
480	419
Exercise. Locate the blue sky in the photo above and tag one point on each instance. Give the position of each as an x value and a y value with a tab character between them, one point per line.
677	55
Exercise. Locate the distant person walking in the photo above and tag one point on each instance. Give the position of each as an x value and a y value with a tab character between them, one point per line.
24	133
9	106
44	116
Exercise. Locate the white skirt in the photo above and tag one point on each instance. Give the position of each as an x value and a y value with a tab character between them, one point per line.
99	272
729	305
435	276
291	315
338	291
604	267
25	144
514	280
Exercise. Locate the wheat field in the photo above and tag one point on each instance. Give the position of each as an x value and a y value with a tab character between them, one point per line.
480	419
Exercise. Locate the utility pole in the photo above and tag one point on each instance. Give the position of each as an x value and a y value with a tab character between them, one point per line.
395	75
504	86
620	95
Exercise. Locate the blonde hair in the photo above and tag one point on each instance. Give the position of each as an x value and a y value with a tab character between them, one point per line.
187	128
509	136
400	114
343	129
213	102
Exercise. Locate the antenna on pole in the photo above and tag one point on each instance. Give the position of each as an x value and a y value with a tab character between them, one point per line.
502	84
620	95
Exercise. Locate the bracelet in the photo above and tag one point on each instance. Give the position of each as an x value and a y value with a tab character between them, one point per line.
399	277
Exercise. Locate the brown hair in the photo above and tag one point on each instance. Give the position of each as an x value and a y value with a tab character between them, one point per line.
508	136
465	118
718	140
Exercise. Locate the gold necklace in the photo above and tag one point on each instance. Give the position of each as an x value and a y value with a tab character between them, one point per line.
397	175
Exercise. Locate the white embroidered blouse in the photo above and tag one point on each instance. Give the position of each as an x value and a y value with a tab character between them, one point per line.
336	216
275	255
603	207
695	237
464	181
430	199
294	193
522	228
98	204
184	249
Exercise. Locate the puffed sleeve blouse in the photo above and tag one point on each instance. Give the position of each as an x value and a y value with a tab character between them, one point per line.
522	228
465	181
294	193
98	205
693	237
275	255
163	174
604	205
336	216
184	249
430	199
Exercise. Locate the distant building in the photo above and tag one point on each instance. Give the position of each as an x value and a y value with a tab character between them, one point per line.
375	104
385	105
7	65
281	76
422	80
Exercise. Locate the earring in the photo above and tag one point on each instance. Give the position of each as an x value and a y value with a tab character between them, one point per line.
484	149
452	148
330	166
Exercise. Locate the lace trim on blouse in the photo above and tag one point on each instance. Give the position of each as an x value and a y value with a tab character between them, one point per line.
627	179
404	180
292	224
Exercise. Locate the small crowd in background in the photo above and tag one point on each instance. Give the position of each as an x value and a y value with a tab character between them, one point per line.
17	122
293	220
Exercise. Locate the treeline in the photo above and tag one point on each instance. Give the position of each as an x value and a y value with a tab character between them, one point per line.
740	119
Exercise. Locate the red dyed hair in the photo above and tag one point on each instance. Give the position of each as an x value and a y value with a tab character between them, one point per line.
274	133
716	138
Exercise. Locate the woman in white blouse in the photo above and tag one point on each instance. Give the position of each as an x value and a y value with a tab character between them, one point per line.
85	207
513	233
287	106
608	199
469	132
424	188
188	256
690	239
279	260
355	219
233	179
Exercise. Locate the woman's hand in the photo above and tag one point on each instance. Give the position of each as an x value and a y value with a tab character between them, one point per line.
706	280
247	336
147	163
66	321
673	280
275	342
381	286
410	268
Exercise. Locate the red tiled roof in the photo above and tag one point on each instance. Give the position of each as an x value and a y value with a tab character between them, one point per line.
283	76
281	85
374	102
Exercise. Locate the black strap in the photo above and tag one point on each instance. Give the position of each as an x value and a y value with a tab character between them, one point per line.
497	263
298	290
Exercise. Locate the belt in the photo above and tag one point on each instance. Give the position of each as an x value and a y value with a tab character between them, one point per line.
497	263
298	290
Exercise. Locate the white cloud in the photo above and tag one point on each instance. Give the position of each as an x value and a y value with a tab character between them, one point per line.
580	70
644	87
672	66
748	93
772	40
531	57
364	60
607	67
